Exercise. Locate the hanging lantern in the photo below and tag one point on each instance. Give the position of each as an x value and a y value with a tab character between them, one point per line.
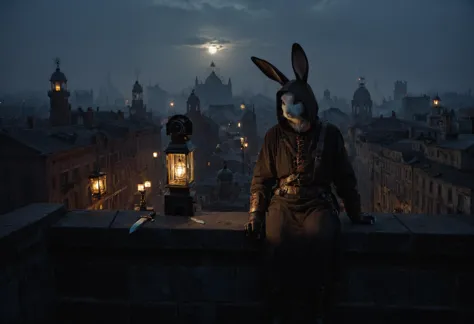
98	184
180	167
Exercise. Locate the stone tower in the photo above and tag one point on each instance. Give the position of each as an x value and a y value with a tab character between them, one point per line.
60	109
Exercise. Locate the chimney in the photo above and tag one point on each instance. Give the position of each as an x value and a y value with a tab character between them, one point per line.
120	115
394	115
30	122
88	117
97	109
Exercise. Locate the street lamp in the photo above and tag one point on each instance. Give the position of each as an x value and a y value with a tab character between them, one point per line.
155	154
98	179
242	106
243	146
238	124
98	184
141	187
179	201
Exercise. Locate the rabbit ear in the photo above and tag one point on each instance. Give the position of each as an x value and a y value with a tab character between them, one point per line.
270	71
299	62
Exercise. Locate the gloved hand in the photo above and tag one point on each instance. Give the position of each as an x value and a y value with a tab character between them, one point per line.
365	219
255	227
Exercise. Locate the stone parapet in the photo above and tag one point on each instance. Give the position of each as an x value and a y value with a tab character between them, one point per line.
404	268
410	266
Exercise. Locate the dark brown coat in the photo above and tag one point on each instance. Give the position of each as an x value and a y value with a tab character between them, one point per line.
302	233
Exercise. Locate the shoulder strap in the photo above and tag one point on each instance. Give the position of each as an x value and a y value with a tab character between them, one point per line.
318	152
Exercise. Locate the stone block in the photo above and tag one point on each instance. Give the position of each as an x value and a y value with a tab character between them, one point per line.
465	289
433	288
206	283
387	235
37	288
190	313
237	313
92	279
24	228
176	232
79	229
383	285
439	235
249	284
392	315
154	313
153	282
9	297
91	311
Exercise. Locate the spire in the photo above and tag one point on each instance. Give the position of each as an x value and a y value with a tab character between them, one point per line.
229	83
196	81
57	61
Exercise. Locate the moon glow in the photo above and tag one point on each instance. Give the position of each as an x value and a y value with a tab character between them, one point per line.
212	49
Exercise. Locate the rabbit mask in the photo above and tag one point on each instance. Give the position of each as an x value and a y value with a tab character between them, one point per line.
296	104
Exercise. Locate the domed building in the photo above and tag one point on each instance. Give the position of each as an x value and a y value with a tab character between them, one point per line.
361	103
213	91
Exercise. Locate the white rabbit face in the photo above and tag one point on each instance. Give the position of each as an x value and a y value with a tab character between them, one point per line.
293	112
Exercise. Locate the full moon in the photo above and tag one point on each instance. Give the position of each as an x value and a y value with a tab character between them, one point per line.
212	50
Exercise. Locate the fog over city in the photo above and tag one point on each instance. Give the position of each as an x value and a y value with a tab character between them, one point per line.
426	42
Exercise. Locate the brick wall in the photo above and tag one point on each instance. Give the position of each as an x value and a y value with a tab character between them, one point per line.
406	268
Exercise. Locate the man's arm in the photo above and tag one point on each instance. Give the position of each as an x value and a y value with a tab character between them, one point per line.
345	180
263	176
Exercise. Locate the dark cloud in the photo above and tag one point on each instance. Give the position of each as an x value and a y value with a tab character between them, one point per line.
426	42
203	40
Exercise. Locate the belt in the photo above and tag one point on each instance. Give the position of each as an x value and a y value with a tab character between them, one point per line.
300	192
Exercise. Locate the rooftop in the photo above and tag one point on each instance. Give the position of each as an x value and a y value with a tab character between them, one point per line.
82	266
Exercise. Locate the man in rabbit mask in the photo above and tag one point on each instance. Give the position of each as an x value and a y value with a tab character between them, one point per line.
304	156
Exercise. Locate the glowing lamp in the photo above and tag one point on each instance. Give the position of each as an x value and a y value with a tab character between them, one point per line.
436	101
238	125
147	184
140	187
180	167
98	184
172	104
155	154
57	86
242	106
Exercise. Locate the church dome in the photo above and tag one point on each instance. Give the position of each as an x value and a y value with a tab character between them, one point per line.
193	99
137	87
213	79
362	94
58	76
225	175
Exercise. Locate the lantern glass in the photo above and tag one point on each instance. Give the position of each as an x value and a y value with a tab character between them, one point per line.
180	169
147	184
155	154
98	184
436	102
140	187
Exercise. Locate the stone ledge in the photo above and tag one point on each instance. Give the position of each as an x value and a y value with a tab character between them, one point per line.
81	310
24	228
429	236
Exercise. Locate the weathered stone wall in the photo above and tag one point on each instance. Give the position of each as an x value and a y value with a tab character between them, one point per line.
406	268
27	292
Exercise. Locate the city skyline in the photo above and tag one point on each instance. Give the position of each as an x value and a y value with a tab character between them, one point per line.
92	40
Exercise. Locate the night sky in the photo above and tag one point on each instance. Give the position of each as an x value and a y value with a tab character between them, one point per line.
429	43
